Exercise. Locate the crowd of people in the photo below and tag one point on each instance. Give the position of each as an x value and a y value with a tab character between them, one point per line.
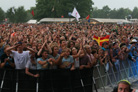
66	46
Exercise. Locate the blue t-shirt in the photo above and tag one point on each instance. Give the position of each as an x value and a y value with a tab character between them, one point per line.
42	66
131	49
54	66
66	61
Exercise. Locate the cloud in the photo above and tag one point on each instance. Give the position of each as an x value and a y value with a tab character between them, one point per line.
6	4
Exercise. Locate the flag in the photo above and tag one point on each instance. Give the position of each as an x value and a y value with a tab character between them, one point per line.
13	10
89	20
100	40
88	17
75	14
52	9
62	16
32	12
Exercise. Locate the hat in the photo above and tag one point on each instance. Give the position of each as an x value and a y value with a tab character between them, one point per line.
133	41
19	43
125	81
114	43
122	45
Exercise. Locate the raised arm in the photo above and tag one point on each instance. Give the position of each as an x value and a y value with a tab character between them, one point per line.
31	50
39	52
49	49
10	48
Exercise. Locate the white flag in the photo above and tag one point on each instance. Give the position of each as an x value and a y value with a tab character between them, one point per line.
13	11
75	14
53	9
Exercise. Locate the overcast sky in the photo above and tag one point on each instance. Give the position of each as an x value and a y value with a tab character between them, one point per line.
116	3
6	4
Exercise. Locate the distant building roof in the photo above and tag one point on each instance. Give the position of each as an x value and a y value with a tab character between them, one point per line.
32	22
110	20
57	20
134	20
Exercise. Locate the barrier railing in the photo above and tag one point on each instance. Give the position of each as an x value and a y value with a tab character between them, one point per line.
127	70
64	80
49	81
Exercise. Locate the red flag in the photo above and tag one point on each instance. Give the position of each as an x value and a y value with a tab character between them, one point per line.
88	17
32	12
62	16
100	40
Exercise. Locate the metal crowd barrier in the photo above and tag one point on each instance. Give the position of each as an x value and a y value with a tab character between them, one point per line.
64	80
49	81
128	70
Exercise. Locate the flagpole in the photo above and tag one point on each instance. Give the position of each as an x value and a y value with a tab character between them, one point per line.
69	14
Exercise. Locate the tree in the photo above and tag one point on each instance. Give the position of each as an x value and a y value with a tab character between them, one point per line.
2	15
29	13
20	15
58	8
135	12
113	13
10	14
105	11
121	13
96	13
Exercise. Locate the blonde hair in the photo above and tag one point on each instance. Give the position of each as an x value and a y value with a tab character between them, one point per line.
86	46
66	50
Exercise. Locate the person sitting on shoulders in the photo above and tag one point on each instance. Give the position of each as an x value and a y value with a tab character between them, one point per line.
124	86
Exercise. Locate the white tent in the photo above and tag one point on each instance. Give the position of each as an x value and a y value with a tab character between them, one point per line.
56	20
32	22
102	20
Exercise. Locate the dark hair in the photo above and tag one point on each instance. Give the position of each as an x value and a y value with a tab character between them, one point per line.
94	51
44	51
70	43
104	43
61	41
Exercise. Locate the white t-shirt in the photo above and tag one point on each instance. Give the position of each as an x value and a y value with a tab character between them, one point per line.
76	63
20	59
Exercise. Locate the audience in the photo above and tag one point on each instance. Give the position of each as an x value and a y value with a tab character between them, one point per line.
66	46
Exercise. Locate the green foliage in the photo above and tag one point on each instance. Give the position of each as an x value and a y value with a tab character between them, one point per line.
21	15
18	16
10	15
120	13
2	15
57	8
135	12
29	12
